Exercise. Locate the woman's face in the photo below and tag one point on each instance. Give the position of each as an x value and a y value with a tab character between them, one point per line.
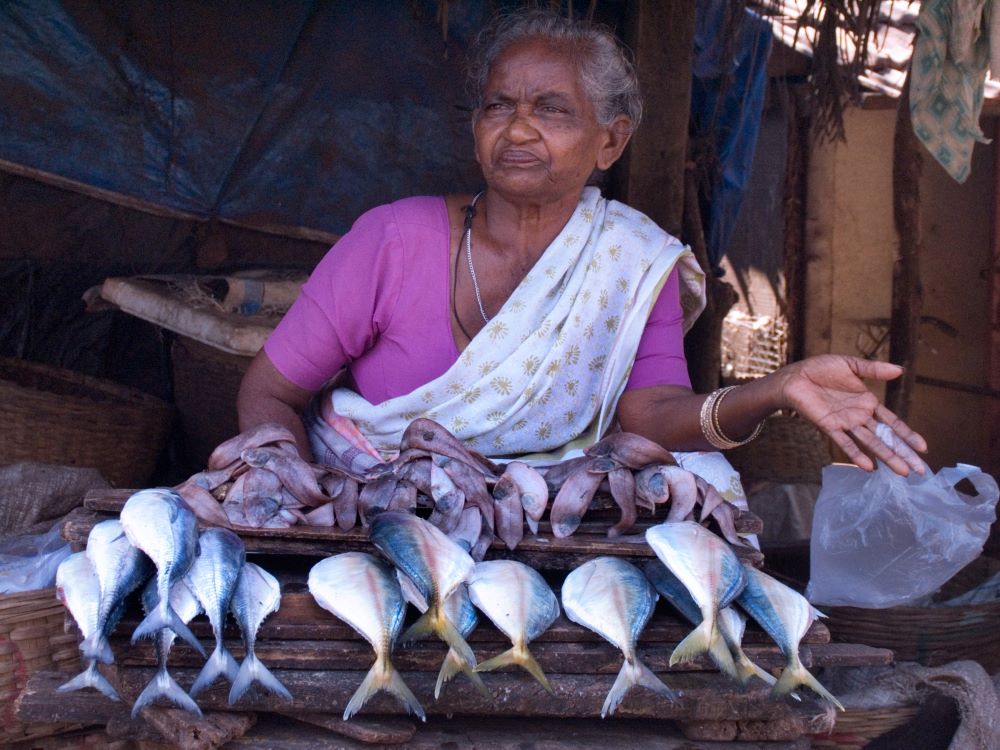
537	137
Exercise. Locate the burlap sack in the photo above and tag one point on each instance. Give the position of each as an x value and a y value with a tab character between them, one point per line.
33	496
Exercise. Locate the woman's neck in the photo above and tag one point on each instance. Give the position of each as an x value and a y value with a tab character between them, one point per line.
521	229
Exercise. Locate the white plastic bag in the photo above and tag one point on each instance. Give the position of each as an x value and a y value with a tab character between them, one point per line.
29	562
882	540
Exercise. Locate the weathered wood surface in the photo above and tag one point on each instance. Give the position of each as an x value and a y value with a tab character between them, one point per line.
300	618
384	730
187	732
543	551
503	734
554	658
700	697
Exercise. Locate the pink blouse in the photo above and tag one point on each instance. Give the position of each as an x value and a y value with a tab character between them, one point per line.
377	304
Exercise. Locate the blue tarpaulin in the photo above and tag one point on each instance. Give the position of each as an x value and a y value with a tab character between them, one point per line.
289	113
727	101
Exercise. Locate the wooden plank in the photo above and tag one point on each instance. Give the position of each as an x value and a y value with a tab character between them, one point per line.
381	730
554	657
503	734
300	618
356	654
701	696
543	552
661	34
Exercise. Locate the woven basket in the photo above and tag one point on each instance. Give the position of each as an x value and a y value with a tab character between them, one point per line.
32	639
855	728
790	450
57	416
929	635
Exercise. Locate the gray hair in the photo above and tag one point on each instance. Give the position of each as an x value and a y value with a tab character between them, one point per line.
606	69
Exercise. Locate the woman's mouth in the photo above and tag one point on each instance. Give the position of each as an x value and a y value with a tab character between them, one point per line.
517	157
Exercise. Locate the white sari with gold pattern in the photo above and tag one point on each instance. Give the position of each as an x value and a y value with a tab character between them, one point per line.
545	375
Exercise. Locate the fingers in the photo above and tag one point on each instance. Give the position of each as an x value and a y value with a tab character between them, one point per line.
851	449
912	438
873	370
865	435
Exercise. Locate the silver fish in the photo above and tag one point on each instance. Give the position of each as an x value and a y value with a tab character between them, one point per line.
614	599
462	614
212	578
786	616
522	606
711	573
186	606
79	589
727	653
160	523
363	592
121	569
257	595
435	564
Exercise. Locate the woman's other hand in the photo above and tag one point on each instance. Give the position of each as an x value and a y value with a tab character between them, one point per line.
266	395
830	392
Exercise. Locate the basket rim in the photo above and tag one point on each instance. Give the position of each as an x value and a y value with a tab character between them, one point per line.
116	390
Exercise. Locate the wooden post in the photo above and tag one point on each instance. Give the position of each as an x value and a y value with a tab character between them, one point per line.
796	182
907	291
661	34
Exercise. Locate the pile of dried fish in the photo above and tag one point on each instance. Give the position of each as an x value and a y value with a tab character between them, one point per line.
156	542
258	479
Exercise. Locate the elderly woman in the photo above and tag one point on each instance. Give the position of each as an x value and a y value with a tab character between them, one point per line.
535	316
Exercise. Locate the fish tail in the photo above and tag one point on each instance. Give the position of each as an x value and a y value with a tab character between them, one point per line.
163	616
723	657
97	647
451	666
253	670
434	621
634	673
697	642
747	670
163	686
220	664
520	656
90	678
793	676
383	676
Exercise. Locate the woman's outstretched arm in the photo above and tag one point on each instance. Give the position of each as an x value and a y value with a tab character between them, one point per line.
828	390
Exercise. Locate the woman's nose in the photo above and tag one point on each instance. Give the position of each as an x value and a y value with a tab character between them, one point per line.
521	126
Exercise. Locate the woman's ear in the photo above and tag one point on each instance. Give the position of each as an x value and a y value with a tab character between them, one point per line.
617	137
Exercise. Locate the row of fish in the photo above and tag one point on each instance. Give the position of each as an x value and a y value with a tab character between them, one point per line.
258	479
155	545
695	571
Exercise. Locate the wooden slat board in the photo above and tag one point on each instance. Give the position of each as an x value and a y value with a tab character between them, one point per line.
543	552
700	697
280	733
554	657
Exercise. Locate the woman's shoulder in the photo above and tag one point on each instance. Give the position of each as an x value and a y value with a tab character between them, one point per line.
638	223
423	211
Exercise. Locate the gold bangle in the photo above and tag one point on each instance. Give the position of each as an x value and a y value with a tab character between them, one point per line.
711	428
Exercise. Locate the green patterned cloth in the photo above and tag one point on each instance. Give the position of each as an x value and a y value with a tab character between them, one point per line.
947	78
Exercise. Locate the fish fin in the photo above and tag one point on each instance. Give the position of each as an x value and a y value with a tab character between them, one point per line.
90	678
723	658
520	656
164	686
697	642
634	673
253	670
383	676
163	616
220	664
747	670
97	647
451	666
794	675
434	621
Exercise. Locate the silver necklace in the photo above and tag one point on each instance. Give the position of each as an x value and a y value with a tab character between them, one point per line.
468	254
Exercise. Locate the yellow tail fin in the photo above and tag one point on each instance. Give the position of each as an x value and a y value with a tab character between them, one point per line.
383	676
520	656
